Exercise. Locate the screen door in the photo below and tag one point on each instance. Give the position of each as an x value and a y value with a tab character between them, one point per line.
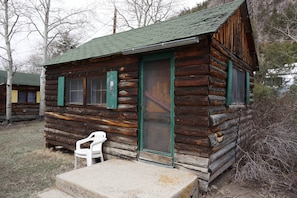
156	106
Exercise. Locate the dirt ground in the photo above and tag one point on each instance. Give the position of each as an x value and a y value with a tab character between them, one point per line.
27	167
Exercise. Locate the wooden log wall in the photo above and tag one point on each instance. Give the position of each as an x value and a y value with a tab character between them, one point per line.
191	109
65	125
229	126
20	111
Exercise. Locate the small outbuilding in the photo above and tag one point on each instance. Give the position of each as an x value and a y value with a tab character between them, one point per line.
25	96
176	93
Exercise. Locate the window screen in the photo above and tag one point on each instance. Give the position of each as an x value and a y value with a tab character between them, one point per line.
22	97
75	91
96	90
238	87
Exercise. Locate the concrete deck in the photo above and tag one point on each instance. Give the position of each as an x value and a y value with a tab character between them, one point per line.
120	178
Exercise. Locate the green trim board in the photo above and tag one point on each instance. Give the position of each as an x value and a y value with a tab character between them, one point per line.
112	90
229	84
61	90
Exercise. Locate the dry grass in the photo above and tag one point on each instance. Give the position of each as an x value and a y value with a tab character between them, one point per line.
26	166
271	160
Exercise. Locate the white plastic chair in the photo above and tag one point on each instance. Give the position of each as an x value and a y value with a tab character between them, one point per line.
95	151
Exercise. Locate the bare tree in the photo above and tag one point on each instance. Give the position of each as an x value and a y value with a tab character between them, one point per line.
48	22
284	24
139	13
8	20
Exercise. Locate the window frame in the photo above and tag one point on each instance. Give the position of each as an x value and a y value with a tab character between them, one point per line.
102	91
69	99
245	99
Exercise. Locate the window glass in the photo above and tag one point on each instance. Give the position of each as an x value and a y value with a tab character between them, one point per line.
96	90
22	97
31	96
75	91
238	87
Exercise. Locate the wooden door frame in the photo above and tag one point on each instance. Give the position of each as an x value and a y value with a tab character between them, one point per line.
147	152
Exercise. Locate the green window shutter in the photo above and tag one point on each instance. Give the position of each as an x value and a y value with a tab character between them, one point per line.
247	89
229	84
112	90
61	90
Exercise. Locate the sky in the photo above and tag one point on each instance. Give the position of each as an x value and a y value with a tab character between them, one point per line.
25	46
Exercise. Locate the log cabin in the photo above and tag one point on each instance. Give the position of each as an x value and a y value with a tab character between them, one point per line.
176	93
25	96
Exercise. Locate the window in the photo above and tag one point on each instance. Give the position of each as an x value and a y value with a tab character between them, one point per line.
31	96
75	91
96	90
238	86
22	97
82	91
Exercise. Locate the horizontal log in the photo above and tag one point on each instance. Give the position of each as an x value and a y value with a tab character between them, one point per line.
191	130
194	140
120	145
127	100
191	149
127	84
215	82
124	154
218	63
191	81
188	61
130	140
127	107
128	92
217	91
190	120
66	116
217	110
230	156
220	153
221	169
192	70
193	50
191	160
129	76
218	119
191	110
184	91
218	73
191	100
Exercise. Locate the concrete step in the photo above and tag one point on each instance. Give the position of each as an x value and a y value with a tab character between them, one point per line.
54	193
121	179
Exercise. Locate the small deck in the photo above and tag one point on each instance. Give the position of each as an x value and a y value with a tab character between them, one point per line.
121	178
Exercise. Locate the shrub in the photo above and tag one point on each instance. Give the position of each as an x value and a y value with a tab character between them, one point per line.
271	159
261	92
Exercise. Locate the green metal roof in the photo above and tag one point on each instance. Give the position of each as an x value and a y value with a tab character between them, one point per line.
194	24
21	78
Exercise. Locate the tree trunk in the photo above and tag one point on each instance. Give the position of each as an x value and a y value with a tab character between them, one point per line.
45	58
10	64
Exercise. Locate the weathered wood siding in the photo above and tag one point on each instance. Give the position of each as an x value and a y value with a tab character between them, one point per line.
65	125
191	108
229	126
